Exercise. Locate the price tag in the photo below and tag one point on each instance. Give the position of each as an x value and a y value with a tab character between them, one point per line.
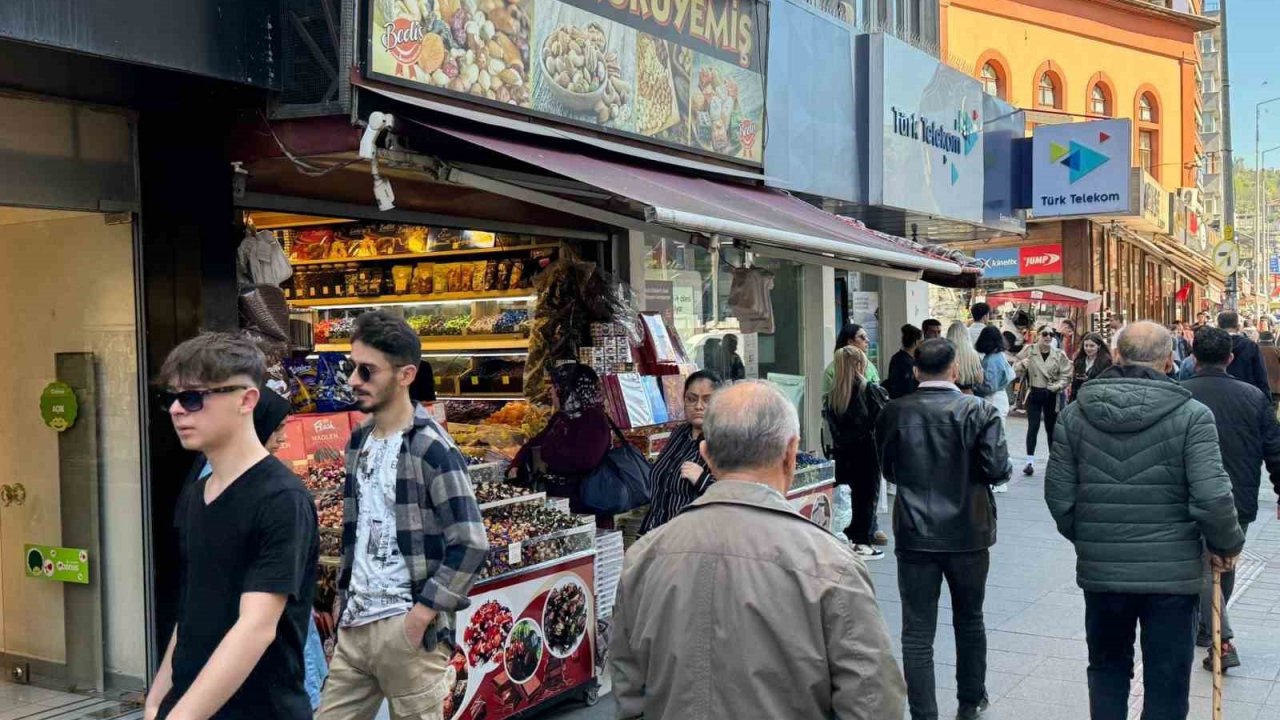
475	380
515	554
506	379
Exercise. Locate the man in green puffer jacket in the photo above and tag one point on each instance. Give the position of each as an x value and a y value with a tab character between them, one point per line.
1136	482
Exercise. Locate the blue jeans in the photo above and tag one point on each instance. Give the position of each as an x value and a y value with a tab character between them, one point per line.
1168	647
920	576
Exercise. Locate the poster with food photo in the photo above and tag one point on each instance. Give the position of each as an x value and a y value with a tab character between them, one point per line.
726	109
474	47
663	71
584	66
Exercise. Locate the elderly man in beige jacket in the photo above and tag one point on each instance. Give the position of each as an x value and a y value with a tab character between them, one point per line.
740	607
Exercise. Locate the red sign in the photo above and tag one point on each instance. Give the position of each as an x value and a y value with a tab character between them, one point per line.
1040	260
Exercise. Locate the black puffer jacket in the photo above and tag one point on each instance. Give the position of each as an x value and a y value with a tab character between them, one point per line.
1248	365
944	450
1247	433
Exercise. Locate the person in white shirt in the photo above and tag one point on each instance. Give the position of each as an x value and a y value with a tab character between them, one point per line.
980	311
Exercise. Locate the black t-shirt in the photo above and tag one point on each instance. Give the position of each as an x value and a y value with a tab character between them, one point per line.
259	535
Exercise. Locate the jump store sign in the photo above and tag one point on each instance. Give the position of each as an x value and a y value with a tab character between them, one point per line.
1021	261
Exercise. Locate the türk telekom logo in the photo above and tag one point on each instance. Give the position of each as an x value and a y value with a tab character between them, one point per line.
1040	259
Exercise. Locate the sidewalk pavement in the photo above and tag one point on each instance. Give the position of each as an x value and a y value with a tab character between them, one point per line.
1037	656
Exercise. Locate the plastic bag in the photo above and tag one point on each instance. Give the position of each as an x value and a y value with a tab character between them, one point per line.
333	393
843	513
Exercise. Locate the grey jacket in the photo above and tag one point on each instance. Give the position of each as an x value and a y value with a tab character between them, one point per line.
741	608
1136	481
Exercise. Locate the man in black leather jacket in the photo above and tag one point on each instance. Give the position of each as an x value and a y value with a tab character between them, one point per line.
1249	436
945	450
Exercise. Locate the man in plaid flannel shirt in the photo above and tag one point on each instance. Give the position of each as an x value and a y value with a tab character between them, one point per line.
412	540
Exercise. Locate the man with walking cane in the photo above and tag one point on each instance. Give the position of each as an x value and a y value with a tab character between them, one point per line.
1136	482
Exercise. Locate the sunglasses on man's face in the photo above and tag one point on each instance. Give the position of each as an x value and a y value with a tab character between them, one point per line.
1046	334
364	371
193	400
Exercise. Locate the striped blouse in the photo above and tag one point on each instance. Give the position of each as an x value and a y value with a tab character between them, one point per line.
671	492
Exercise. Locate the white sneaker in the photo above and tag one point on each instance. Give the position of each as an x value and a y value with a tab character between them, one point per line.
891	488
1001	488
868	552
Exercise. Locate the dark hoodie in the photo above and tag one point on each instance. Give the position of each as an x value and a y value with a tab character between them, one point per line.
1136	481
1248	365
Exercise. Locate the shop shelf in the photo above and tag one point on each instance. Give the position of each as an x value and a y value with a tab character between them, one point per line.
503	560
538	498
506	250
333	303
448	343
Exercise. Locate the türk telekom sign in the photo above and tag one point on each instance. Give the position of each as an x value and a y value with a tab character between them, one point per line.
1021	261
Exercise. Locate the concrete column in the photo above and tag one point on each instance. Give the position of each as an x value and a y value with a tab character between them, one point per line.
901	302
818	335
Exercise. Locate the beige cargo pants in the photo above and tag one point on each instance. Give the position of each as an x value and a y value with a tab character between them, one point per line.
377	661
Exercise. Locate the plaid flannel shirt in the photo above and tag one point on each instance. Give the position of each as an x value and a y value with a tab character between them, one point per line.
438	525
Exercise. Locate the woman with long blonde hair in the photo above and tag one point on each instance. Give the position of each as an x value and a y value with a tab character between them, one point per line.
851	410
968	361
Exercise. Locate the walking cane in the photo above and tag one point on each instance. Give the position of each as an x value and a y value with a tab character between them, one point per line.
1217	645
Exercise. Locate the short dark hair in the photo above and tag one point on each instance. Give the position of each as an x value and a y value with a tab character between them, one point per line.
214	357
990	340
980	311
709	375
911	335
935	356
389	335
1212	346
931	322
1229	320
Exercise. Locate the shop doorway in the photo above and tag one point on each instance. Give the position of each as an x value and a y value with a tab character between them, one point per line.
68	314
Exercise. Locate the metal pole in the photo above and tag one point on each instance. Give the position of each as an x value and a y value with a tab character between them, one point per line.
1228	162
1257	196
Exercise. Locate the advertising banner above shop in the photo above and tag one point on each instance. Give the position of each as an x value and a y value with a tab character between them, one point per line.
1002	125
1080	169
1021	261
925	133
687	73
812	105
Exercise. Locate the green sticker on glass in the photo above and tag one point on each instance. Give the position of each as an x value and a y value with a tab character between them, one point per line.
58	406
69	565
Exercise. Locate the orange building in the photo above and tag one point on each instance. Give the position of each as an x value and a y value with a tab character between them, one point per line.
1073	60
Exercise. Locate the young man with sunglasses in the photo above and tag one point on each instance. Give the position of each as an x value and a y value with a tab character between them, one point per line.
249	548
412	540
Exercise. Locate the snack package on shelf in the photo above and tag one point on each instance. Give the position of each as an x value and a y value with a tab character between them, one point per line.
657	405
292	450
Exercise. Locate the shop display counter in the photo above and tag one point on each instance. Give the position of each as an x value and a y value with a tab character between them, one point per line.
812	492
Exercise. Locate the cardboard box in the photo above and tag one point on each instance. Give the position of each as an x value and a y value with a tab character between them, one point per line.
328	430
291	448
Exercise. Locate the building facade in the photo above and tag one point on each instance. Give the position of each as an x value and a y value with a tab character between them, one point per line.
1212	174
1078	60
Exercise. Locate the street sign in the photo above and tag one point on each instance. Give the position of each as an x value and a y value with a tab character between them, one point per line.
1229	233
1226	257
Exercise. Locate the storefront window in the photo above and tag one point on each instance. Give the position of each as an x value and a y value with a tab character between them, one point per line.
691	286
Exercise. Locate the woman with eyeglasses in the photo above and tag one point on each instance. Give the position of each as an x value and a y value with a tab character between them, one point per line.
574	441
854	335
680	475
1047	372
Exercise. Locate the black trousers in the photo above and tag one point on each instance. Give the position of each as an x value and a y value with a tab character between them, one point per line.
920	576
858	469
1040	403
1168	647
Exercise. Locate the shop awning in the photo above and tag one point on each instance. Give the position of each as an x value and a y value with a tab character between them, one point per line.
753	214
1049	295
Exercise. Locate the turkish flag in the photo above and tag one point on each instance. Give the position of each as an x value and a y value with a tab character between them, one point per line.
1184	292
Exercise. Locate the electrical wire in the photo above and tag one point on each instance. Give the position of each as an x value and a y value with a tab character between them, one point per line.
302	166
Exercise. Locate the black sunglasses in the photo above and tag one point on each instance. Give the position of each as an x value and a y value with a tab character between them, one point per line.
363	370
193	400
1046	334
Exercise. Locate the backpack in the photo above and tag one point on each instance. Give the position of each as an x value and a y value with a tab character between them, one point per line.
859	421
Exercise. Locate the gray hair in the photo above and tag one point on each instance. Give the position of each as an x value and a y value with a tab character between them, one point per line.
1145	343
748	426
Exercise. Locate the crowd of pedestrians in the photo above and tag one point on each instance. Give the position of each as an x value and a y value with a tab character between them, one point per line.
1157	441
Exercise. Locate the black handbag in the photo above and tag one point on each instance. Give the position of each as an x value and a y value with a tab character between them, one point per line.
623	481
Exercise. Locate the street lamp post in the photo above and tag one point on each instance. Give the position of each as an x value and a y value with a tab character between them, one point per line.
1257	181
1260	226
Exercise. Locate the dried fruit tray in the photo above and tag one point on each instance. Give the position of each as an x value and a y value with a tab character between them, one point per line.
539	498
488	472
813	475
523	555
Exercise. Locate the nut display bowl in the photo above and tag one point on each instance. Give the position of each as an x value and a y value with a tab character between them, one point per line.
582	102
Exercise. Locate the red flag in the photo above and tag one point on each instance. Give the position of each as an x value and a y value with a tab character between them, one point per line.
1184	292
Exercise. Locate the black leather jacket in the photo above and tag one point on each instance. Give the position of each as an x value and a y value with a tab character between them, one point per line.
944	450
